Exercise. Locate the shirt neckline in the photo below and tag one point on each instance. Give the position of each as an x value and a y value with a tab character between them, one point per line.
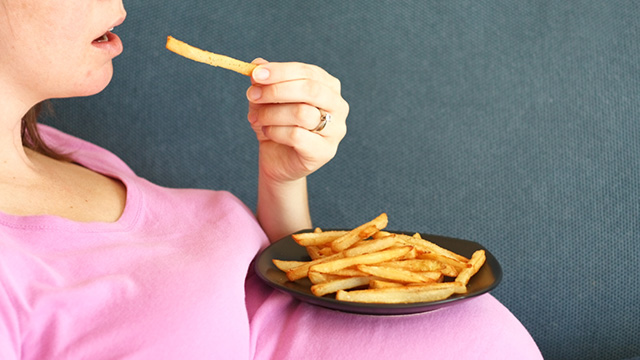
125	222
77	150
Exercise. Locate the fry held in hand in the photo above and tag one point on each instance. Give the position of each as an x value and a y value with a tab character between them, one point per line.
207	57
370	265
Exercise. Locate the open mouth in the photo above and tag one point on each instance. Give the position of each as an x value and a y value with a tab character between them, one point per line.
104	37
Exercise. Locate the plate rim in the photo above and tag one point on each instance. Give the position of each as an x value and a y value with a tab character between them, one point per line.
263	263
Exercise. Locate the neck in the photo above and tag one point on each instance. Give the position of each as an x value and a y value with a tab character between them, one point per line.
13	156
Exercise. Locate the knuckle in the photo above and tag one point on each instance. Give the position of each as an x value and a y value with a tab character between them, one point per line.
310	71
337	84
296	136
306	116
342	132
345	107
313	89
301	113
272	92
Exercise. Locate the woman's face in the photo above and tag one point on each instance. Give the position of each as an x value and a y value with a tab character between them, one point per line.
57	48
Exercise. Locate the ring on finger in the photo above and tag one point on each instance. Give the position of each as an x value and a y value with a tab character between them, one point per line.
325	118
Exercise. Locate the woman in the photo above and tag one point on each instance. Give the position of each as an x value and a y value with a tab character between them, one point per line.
97	263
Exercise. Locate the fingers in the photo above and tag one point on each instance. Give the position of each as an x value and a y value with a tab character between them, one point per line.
294	82
301	115
304	91
272	73
309	146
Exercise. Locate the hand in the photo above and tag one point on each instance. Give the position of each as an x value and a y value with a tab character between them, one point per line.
284	103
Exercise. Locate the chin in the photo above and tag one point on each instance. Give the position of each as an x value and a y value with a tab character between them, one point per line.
101	84
97	82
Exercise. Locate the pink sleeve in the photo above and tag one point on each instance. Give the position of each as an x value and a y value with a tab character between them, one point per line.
9	333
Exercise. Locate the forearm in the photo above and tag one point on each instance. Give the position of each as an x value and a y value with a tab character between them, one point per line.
283	207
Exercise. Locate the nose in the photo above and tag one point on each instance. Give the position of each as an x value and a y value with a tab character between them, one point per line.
119	8
123	11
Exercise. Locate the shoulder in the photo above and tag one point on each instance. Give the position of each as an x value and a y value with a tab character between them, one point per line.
83	152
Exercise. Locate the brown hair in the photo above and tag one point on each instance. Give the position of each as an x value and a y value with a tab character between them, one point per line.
31	136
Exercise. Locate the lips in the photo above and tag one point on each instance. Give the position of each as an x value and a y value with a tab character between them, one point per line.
109	43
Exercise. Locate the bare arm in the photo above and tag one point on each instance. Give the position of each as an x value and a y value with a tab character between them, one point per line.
283	208
285	102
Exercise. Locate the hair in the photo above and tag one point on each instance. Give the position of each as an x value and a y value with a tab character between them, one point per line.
31	135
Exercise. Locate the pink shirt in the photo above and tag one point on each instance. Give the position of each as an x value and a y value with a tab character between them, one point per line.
168	280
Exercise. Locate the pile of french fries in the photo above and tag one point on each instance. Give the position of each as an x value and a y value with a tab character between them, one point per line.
370	265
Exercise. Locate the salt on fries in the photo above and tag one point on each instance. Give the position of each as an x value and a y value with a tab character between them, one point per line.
369	265
207	57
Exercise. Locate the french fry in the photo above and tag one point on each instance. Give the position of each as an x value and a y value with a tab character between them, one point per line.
412	254
398	295
314	252
368	231
348	272
401	275
361	232
425	264
371	258
425	245
207	57
381	234
285	265
302	271
477	260
382	284
436	276
317	238
369	246
318	278
325	251
341	284
416	265
456	265
457	287
317	252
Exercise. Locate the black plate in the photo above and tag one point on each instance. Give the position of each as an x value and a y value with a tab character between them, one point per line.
487	278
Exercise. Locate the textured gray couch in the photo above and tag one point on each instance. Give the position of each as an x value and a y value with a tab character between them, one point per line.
515	124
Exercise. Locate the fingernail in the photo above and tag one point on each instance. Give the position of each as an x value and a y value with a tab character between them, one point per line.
254	93
252	116
261	73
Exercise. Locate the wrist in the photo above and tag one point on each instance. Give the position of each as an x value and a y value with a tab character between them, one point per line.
283	206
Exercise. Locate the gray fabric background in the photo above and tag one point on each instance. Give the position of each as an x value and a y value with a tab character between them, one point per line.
515	124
